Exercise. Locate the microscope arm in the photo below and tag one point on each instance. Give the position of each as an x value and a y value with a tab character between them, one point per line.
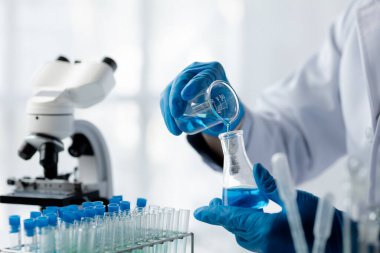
94	169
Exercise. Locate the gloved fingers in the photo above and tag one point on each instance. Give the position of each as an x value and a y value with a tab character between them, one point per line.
216	202
236	231
176	104
249	245
242	242
199	82
266	183
226	216
165	111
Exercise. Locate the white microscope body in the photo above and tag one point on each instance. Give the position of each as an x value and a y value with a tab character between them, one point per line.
59	88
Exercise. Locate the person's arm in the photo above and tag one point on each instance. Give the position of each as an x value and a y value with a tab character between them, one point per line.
301	115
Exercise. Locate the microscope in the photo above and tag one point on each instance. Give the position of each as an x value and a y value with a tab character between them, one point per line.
61	86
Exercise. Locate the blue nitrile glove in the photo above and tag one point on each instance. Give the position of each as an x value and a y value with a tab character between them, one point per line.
264	232
185	87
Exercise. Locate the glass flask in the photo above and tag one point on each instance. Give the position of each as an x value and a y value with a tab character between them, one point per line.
239	186
213	105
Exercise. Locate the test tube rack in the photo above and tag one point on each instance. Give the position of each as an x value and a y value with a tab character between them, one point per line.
142	246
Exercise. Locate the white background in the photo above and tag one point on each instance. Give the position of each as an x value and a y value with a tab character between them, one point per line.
258	42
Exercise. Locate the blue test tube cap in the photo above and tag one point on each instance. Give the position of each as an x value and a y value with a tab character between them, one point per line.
125	205
114	200
54	208
61	210
87	204
98	203
42	221
35	214
47	211
113	208
79	215
14	222
72	207
52	219
68	217
141	202
100	210
89	212
118	197
29	226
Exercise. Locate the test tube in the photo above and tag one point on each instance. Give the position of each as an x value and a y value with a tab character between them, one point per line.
323	222
107	232
130	228
168	215
68	241
153	222
145	216
100	228
288	194
183	227
172	247
46	244
139	217
30	235
15	232
113	210
52	220
86	233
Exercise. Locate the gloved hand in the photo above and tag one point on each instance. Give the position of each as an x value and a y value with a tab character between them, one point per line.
262	232
185	87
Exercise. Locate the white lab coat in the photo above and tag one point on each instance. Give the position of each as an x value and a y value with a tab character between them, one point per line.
328	107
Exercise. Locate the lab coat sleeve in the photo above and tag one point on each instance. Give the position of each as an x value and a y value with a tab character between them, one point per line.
302	115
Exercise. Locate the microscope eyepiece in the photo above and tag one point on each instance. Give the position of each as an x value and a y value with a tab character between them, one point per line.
27	151
49	159
110	62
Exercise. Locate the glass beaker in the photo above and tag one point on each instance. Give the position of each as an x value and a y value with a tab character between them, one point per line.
213	105
239	186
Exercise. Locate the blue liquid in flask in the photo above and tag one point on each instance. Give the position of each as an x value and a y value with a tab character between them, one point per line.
244	197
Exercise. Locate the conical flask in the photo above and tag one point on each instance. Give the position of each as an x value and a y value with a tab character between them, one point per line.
239	186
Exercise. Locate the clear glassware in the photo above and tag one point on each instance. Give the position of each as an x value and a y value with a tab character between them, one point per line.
239	186
15	232
213	105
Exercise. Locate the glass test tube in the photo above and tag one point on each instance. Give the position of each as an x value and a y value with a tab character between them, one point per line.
183	227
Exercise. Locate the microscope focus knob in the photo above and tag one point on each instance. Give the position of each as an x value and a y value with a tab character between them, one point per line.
110	62
80	146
